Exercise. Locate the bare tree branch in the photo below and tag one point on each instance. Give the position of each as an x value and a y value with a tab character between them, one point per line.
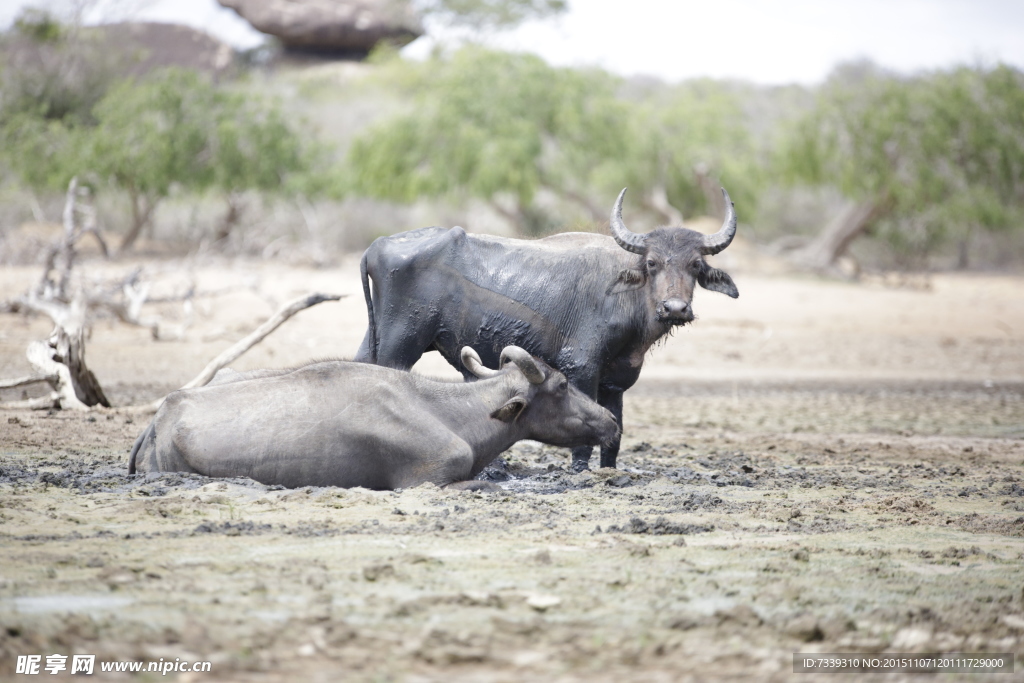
61	254
41	403
26	381
60	359
238	348
89	227
657	199
243	345
824	250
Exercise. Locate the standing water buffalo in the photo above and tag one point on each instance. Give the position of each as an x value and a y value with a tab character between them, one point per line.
590	305
338	423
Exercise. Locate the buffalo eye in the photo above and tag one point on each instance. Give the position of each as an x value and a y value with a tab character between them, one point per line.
563	386
651	265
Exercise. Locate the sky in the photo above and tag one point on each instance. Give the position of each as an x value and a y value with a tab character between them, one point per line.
769	42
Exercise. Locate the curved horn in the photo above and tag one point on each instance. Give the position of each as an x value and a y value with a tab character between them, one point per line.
472	361
721	239
628	240
525	362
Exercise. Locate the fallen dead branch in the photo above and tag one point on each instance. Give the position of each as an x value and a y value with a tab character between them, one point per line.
234	351
49	358
60	359
125	300
23	381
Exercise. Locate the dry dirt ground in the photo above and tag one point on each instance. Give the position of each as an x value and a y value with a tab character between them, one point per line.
815	467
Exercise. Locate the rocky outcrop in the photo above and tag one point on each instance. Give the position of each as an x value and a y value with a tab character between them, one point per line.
332	27
83	63
141	47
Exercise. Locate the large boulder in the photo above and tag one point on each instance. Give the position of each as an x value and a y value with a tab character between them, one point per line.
141	47
69	72
333	27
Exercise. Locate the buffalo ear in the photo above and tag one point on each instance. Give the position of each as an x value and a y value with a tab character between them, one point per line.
512	409
628	279
717	281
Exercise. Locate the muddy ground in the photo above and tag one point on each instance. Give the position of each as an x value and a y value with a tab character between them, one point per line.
815	467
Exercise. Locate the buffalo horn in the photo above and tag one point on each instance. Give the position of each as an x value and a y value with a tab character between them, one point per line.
628	240
472	361
721	239
525	362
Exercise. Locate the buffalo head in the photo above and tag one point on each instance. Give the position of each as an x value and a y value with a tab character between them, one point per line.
671	261
543	403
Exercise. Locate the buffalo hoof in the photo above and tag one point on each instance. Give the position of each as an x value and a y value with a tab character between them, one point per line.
580	466
472	485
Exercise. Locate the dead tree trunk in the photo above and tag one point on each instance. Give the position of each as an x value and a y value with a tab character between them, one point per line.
657	199
62	356
230	220
514	216
60	359
68	346
142	211
711	189
823	251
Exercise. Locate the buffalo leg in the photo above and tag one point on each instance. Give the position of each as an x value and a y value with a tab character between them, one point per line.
363	355
613	402
581	454
581	458
401	351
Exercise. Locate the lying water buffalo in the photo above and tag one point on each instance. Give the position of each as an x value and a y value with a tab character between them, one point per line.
590	305
338	423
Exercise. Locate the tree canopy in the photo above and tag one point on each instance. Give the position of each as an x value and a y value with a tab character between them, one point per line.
176	129
495	125
927	158
682	144
922	162
487	124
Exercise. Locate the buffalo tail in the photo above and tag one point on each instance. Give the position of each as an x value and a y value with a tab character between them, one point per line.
138	447
372	324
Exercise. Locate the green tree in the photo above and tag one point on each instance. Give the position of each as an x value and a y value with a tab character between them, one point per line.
149	137
254	148
175	129
491	125
180	129
922	160
684	143
51	77
41	152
